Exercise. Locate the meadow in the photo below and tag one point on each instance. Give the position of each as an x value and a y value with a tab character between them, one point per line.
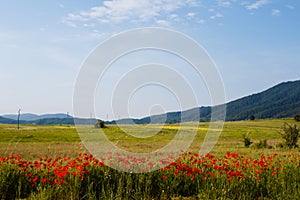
50	162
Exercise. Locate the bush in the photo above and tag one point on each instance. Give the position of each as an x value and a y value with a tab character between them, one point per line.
280	145
290	133
100	124
262	144
252	117
297	118
247	140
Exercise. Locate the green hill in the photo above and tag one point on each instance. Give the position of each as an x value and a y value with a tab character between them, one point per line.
280	101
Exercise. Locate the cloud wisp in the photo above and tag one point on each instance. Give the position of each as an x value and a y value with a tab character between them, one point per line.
218	15
118	11
158	12
275	12
257	4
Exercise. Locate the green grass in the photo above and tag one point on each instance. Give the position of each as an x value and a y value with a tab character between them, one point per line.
38	133
49	140
33	141
63	145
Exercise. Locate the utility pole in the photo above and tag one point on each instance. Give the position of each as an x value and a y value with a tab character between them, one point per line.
19	113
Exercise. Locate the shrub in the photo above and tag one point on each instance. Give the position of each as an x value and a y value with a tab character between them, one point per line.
280	145
262	144
252	117
100	124
247	140
290	133
297	118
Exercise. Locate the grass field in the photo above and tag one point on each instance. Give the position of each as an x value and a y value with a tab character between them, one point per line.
50	162
33	141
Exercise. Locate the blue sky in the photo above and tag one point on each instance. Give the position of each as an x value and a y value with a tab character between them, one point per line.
255	45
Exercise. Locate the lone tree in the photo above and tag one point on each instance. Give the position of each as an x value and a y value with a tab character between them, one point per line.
100	124
252	117
290	133
297	118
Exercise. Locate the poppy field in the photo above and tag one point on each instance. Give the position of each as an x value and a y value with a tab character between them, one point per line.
230	171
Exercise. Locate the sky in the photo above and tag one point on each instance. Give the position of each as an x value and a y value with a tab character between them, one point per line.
254	44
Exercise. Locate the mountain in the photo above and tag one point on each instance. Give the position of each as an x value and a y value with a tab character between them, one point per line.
282	100
4	120
69	121
32	117
48	121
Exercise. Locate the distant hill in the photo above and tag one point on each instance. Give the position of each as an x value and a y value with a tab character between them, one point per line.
282	100
4	120
32	117
69	121
49	121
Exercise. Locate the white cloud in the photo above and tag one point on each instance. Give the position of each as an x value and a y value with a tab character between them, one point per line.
173	16
244	3
69	23
290	7
218	15
275	12
191	14
224	3
89	25
71	18
163	22
201	21
118	11
193	3
257	4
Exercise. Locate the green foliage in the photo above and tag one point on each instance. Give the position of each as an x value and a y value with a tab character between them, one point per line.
247	141
273	177
13	182
282	100
297	118
252	117
105	183
32	141
290	133
262	144
280	145
100	124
